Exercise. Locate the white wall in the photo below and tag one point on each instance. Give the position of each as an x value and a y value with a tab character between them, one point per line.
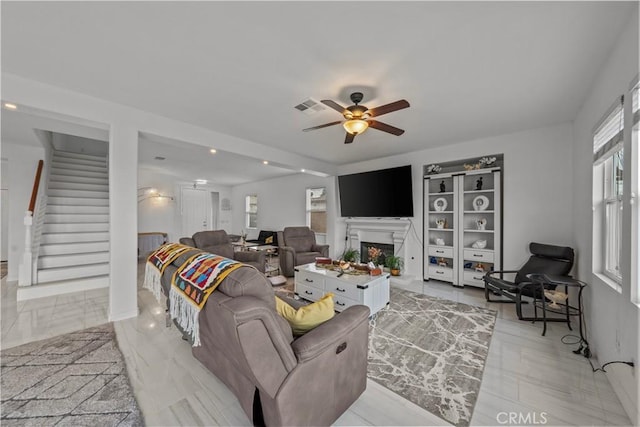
22	162
537	188
281	203
164	215
611	316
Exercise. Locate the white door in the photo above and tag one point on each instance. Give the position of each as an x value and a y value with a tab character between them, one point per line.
196	208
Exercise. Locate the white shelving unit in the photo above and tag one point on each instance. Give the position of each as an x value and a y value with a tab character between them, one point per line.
462	241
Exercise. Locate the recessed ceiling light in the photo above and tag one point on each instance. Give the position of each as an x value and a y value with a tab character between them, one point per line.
201	181
10	106
264	162
302	170
213	151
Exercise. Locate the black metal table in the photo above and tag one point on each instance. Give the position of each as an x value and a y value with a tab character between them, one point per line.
565	309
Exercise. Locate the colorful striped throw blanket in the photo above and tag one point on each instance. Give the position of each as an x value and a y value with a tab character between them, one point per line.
192	284
157	262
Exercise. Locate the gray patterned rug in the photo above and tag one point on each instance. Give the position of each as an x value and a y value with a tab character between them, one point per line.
432	352
77	379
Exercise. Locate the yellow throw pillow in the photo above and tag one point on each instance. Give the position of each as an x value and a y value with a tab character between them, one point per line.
268	240
307	317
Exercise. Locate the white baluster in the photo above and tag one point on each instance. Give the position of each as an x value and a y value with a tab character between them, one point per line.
25	271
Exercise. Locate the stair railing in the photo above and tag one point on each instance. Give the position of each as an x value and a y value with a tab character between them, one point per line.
25	272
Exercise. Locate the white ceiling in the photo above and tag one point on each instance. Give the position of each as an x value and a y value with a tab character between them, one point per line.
469	69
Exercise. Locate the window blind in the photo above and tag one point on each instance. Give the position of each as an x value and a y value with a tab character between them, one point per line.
608	135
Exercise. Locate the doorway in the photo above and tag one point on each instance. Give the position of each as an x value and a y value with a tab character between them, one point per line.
196	211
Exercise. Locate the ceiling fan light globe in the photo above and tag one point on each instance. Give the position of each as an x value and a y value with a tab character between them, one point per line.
355	126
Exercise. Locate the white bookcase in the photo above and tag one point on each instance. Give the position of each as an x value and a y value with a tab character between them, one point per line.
462	226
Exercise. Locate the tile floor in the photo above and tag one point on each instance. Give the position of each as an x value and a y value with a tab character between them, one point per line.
537	377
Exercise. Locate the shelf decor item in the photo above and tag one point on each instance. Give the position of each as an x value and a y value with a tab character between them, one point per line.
479	244
440	204
480	203
481	224
440	241
441	223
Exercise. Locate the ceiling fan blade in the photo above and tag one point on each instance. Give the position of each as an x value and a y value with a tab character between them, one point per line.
329	103
349	138
322	126
388	108
385	127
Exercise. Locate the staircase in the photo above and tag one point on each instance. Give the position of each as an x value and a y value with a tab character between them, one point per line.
74	244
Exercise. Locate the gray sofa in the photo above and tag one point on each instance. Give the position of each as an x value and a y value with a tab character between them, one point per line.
279	380
298	246
218	242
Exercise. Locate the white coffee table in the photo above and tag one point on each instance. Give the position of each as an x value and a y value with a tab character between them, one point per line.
312	283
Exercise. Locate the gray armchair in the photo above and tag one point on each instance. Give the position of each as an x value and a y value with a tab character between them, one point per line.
218	242
298	246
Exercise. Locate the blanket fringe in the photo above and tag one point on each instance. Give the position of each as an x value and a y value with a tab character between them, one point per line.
152	281
186	314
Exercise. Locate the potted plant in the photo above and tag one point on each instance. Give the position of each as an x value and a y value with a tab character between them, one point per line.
351	255
394	263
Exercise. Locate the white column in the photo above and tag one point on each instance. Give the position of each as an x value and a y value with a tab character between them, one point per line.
123	221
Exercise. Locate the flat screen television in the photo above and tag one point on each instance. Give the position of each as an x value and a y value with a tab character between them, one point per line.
381	193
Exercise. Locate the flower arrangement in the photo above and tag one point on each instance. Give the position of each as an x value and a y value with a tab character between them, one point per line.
433	169
374	253
486	161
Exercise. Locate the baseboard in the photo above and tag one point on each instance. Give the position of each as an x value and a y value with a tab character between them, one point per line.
63	287
403	280
624	381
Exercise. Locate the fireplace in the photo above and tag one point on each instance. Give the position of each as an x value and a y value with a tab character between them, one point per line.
390	232
387	249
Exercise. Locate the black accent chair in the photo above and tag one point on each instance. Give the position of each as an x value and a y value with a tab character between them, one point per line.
266	237
545	259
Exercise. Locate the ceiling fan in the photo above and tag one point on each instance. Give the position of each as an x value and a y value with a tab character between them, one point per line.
358	117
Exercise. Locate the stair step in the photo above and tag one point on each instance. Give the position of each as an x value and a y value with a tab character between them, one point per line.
59	192
72	155
82	162
60	287
75	227
76	201
71	218
66	273
73	248
53	238
78	172
81	179
66	165
69	260
58	185
77	209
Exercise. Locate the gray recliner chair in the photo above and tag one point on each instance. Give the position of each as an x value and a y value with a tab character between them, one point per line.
298	246
218	242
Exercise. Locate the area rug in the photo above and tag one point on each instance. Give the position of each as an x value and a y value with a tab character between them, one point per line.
76	379
432	352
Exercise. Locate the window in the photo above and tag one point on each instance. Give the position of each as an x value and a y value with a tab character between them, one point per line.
251	211
635	188
608	172
317	209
